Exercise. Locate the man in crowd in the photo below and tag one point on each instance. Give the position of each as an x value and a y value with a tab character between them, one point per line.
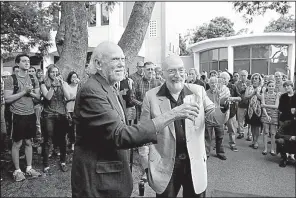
179	157
138	75
140	88
158	74
235	78
214	94
24	118
233	99
242	105
100	162
194	77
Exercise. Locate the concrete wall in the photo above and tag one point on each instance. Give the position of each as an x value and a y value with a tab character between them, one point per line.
188	62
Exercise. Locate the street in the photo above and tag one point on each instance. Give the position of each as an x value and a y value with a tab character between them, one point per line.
245	173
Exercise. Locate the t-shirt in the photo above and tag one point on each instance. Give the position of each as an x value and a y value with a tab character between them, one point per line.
24	105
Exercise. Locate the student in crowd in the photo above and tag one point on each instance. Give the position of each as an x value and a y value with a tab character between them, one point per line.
54	116
269	118
73	86
24	118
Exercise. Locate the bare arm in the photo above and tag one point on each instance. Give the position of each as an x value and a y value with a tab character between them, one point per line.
263	104
47	93
10	97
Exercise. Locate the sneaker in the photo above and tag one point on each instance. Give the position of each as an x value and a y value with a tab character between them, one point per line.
240	136
249	138
221	156
64	167
33	173
233	148
47	171
18	176
283	163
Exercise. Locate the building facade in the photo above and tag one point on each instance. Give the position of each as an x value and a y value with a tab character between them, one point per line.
263	53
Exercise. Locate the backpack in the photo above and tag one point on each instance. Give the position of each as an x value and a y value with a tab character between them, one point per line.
15	82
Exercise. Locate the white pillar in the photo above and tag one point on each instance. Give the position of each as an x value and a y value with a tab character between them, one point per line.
230	59
196	60
291	60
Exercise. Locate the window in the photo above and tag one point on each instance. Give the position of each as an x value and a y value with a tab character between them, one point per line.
104	14
262	59
152	29
93	16
215	59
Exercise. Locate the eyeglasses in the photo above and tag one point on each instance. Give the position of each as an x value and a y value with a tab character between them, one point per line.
181	70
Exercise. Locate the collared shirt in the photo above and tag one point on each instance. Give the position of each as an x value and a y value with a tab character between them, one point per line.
136	76
141	87
181	147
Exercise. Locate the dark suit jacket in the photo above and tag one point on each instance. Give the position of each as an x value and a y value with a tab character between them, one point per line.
100	165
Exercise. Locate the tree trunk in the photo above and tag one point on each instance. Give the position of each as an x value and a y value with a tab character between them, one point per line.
132	38
72	38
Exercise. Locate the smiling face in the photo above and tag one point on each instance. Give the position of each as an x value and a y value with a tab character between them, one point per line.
271	86
213	82
192	75
53	73
255	80
74	78
112	63
174	73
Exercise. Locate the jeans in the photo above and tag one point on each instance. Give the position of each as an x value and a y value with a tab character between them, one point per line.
71	130
181	177
232	125
219	134
241	113
54	128
3	129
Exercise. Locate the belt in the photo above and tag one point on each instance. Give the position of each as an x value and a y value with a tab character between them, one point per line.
182	156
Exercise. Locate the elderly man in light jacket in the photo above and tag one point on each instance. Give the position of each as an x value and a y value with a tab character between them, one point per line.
179	157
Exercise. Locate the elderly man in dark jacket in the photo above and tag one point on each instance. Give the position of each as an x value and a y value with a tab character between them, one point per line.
286	140
100	165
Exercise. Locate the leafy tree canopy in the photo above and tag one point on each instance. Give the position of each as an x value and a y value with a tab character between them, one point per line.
249	9
217	27
183	46
25	25
282	24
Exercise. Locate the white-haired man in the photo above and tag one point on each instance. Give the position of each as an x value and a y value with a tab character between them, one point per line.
100	165
213	93
241	85
179	157
233	99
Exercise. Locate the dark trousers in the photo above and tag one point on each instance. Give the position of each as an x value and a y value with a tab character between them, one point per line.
54	129
71	130
284	147
219	134
181	177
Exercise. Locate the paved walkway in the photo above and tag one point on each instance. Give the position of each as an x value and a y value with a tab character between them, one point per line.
245	173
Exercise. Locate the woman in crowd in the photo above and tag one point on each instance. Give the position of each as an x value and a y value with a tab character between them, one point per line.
254	109
54	117
269	119
73	82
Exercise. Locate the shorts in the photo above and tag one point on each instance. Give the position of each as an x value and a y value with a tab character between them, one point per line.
23	127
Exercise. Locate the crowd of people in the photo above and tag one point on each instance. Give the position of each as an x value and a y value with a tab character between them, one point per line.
36	110
169	114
